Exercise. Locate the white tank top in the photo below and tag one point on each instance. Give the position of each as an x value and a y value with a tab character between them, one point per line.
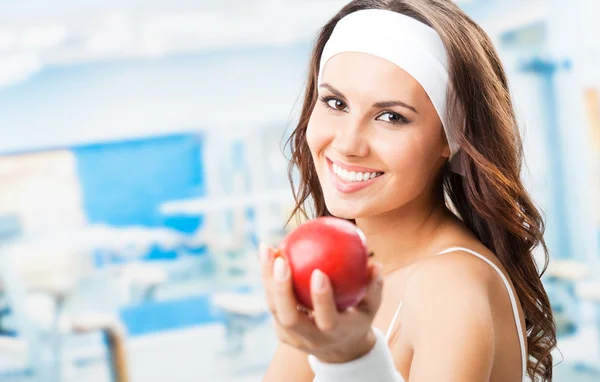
513	302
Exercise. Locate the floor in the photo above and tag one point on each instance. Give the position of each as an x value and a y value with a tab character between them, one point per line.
189	355
197	354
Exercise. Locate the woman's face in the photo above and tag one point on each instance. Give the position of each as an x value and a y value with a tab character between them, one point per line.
375	137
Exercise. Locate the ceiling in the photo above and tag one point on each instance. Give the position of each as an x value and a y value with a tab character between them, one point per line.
38	33
66	31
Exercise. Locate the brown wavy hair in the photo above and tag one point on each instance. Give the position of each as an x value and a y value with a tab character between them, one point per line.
490	198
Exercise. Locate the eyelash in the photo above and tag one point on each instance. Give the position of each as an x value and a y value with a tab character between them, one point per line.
401	119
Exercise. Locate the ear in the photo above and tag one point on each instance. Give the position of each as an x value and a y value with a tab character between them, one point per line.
446	151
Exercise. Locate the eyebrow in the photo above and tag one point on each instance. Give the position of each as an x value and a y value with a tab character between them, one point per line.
379	105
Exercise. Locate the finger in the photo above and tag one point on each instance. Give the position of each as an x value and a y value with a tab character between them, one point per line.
325	312
372	298
285	300
266	256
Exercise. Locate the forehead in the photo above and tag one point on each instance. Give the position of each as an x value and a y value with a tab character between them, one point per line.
364	73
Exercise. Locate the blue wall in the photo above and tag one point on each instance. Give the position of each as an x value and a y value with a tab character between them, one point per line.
124	183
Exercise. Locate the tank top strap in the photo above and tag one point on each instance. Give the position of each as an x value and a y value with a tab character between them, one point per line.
388	333
513	302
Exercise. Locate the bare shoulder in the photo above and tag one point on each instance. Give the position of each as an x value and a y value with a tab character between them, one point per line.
457	268
449	304
451	292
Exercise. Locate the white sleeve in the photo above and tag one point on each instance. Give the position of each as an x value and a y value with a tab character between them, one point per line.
375	366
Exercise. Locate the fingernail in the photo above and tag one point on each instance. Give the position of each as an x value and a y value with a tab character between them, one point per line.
318	282
280	270
263	253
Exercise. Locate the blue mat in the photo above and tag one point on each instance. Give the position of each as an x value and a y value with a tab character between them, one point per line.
157	316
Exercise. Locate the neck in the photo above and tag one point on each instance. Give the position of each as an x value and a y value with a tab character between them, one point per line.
405	235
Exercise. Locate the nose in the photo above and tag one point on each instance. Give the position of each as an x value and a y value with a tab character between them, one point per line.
351	139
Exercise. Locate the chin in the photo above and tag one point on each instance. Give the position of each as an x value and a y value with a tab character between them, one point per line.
344	209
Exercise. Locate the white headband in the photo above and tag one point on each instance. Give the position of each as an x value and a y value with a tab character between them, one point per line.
406	42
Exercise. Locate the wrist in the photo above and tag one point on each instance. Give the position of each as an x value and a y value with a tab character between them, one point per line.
377	364
352	352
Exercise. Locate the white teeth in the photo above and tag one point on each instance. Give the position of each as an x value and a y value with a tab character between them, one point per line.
353	176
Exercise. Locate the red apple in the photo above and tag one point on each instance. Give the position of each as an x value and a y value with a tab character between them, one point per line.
337	248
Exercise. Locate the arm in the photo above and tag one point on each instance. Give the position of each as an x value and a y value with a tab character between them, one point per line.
289	364
448	320
447	323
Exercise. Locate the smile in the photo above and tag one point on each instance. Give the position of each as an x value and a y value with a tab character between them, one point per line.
353	176
348	179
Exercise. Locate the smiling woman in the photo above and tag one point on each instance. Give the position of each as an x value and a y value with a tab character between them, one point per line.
408	130
370	125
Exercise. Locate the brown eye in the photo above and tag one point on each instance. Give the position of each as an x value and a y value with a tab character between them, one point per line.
393	118
336	104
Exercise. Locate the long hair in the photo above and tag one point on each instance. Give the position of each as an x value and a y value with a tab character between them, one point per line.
489	198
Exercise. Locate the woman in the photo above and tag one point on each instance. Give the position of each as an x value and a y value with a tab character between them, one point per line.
408	130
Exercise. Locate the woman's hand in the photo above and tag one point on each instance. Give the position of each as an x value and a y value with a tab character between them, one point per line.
329	335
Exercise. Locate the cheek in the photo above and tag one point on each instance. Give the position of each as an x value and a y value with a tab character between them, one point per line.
410	159
398	155
318	135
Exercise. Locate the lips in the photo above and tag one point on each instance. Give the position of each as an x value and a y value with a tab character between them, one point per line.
354	176
352	167
349	178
